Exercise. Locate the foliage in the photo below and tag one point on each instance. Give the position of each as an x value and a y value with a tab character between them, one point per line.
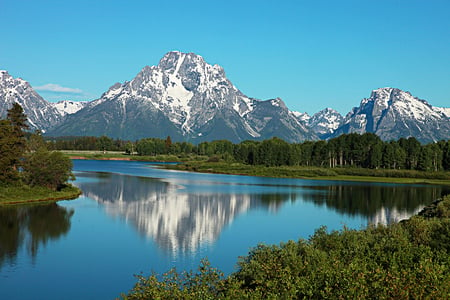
8	150
84	143
409	260
46	168
207	283
352	150
38	167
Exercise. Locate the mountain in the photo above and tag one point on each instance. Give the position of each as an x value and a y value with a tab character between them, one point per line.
445	111
41	114
392	113
67	107
188	99
325	122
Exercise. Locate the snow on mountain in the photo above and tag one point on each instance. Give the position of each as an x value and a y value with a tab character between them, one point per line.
392	113
188	99
191	100
41	114
67	107
445	111
302	117
176	221
325	122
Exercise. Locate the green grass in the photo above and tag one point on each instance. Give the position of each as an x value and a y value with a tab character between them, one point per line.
198	163
22	194
350	174
118	155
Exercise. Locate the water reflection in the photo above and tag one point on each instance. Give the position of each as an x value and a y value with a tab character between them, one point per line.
30	227
182	215
178	221
379	203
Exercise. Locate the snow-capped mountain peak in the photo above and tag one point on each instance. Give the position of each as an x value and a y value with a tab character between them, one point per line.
325	122
392	113
41	114
192	99
67	107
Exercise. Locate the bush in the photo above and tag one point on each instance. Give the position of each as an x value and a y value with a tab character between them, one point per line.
48	169
408	260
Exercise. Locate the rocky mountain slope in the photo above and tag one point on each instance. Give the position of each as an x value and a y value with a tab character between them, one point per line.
392	113
325	122
41	114
188	99
67	107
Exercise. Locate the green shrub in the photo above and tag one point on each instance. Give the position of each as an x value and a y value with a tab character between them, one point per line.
47	169
409	260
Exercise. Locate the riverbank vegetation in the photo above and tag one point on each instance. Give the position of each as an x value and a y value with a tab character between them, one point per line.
349	157
353	150
352	174
407	260
29	172
22	194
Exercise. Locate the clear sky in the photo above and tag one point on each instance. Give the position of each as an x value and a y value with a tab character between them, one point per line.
313	54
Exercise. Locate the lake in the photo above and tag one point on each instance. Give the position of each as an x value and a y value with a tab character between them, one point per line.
135	217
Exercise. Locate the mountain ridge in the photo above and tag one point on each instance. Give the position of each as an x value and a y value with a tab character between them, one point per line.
190	100
392	113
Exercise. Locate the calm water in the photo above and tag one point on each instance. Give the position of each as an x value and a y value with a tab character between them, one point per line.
134	217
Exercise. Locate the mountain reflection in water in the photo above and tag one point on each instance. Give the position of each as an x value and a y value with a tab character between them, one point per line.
177	221
181	218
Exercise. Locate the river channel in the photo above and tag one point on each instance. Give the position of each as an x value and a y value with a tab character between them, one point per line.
135	217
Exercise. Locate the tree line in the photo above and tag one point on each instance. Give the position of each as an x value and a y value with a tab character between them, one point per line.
25	158
348	150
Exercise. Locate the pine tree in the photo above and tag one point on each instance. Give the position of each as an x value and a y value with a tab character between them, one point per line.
8	153
12	142
18	119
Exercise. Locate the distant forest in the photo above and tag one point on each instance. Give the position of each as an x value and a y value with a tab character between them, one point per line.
348	150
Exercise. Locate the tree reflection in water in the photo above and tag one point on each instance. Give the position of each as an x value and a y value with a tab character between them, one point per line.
182	218
30	227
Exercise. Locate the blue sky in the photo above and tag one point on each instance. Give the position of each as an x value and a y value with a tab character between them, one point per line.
312	54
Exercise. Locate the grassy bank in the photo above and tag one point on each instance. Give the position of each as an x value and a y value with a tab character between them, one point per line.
22	194
197	163
351	174
118	155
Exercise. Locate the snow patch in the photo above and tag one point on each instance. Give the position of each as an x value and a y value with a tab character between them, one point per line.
67	107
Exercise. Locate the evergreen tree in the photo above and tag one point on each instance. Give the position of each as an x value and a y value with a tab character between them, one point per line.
412	149
8	152
36	141
18	119
168	144
446	156
12	142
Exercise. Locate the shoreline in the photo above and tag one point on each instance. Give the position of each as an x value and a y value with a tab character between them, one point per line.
100	158
351	178
261	171
54	198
